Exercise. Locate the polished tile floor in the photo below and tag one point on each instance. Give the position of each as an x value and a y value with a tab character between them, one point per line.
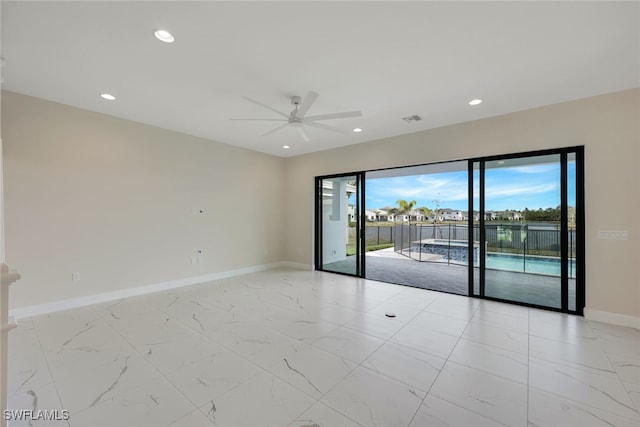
300	348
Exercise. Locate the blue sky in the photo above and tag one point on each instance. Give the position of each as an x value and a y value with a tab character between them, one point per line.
536	186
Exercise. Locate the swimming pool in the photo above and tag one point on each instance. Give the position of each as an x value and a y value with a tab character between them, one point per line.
451	250
530	264
457	252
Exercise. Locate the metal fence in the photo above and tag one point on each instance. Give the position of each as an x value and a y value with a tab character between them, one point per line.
408	238
382	235
527	239
374	236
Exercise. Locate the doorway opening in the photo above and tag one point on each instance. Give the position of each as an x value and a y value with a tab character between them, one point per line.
416	226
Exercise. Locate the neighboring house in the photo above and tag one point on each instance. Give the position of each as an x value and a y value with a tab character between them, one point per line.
371	216
451	215
416	215
412	216
490	216
465	216
379	215
382	215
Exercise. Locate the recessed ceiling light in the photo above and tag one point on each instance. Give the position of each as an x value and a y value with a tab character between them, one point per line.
475	101
108	96
286	147
356	130
164	36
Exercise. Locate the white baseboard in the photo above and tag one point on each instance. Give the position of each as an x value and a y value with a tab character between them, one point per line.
51	307
613	318
36	310
297	265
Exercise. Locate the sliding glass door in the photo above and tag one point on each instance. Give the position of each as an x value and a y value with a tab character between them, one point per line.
339	224
530	229
508	228
523	257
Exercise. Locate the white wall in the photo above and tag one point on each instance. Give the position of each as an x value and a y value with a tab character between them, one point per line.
112	200
609	128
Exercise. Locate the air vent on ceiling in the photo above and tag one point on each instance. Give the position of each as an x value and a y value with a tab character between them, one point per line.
414	118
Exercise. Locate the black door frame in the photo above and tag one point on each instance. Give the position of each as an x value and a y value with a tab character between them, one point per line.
481	161
564	239
359	217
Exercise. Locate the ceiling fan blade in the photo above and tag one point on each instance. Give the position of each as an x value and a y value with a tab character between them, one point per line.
306	104
334	116
265	106
268	120
276	129
325	127
303	134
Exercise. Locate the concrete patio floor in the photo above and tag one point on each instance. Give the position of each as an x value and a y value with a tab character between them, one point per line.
388	266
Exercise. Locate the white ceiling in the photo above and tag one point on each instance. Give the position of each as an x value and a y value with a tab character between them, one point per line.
387	59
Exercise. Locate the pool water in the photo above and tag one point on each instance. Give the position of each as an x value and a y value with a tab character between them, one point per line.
530	264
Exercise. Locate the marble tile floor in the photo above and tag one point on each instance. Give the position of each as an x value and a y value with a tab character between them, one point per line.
300	348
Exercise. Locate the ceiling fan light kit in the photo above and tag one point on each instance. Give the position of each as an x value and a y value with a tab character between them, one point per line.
298	118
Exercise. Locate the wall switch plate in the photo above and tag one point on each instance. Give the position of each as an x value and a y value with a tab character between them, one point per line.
613	235
75	277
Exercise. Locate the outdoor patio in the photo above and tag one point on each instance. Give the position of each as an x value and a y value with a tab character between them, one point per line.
388	266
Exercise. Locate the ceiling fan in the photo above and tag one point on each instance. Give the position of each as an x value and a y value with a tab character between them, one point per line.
298	118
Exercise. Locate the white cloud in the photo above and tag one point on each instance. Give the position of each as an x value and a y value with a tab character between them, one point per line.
516	189
533	186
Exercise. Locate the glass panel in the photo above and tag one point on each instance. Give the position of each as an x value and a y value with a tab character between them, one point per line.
522	230
416	226
571	228
339	233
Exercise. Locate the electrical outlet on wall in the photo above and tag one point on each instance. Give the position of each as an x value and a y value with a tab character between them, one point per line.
613	235
75	276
